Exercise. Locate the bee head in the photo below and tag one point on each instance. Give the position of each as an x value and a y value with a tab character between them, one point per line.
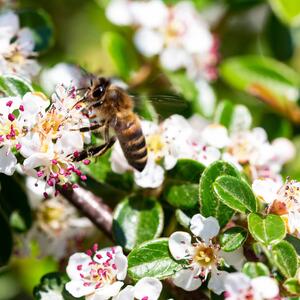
100	88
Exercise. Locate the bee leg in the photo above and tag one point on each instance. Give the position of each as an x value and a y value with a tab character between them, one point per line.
90	128
94	151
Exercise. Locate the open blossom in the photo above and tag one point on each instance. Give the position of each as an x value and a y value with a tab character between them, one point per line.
147	288
176	33
97	274
238	286
16	47
203	256
251	148
16	117
283	200
173	139
50	144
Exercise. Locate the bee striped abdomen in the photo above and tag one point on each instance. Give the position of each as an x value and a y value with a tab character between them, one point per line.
132	141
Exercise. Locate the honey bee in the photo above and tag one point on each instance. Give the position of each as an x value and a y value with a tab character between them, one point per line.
113	108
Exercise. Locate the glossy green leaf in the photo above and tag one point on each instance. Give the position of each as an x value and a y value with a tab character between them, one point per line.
292	286
53	284
287	10
182	185
255	269
268	230
235	193
6	238
272	81
41	25
285	258
186	170
294	241
11	85
233	238
121	53
152	259
210	204
137	220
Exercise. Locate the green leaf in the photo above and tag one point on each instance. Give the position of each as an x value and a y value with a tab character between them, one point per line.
186	170
6	238
255	269
294	241
53	283
183	219
210	204
121	53
268	230
181	190
184	196
287	10
292	286
233	238
285	258
137	220
235	193
11	85
152	259
41	25
275	83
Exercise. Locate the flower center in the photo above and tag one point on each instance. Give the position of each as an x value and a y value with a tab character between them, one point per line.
155	144
205	255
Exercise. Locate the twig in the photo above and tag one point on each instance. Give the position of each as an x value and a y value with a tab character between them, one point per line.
91	206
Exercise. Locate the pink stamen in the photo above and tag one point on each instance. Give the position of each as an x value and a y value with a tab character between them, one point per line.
145	298
11	117
9	103
79	267
45	195
83	177
86	162
21	107
89	252
99	256
54	161
95	247
76	154
18	146
40	173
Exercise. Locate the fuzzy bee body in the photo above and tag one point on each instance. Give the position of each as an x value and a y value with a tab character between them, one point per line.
114	107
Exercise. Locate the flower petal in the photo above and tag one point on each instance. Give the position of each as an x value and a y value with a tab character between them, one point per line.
78	264
215	135
108	291
118	12
265	287
77	289
187	279
8	161
235	283
180	245
217	280
148	287
205	228
126	294
266	189
234	258
149	42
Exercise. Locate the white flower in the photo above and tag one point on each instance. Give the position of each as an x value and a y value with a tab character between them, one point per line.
146	288
202	257
58	229
17	47
98	274
251	148
63	74
177	34
173	139
240	287
283	200
51	295
216	135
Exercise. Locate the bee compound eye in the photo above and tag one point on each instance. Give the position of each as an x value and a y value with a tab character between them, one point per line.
98	92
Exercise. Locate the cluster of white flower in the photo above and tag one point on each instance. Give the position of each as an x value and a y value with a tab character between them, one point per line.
282	199
45	136
16	47
203	256
176	33
99	274
177	137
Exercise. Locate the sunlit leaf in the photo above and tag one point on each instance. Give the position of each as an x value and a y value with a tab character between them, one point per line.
255	269
233	238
